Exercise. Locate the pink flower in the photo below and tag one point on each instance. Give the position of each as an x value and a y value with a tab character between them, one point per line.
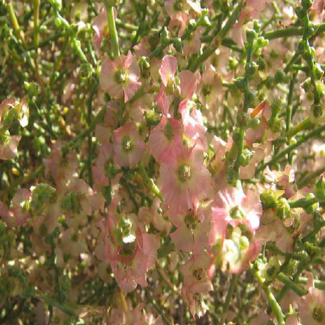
130	251
166	139
120	76
128	145
192	234
196	282
185	181
210	88
195	272
312	306
194	129
238	208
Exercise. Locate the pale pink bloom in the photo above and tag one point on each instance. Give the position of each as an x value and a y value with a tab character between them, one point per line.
20	205
8	145
238	208
166	139
120	76
238	251
128	145
317	11
143	48
187	84
179	11
155	217
312	306
194	129
192	233
185	180
278	233
261	319
128	248
193	43
7	215
210	88
76	202
292	320
168	70
61	167
218	165
195	273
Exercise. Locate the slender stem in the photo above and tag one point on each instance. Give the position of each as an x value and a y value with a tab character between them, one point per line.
15	23
304	181
273	302
148	182
36	23
291	285
291	31
306	123
112	29
158	308
302	140
218	39
318	284
228	299
302	203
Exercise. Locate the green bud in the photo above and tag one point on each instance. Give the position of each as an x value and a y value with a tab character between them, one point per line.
85	71
245	157
65	283
318	71
261	64
268	199
307	4
251	35
178	44
300	13
233	63
313	207
262	42
57	22
241	83
191	25
302	46
282	209
251	69
165	36
319	189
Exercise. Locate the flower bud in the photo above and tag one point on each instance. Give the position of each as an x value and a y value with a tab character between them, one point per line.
268	199
245	157
251	35
241	83
319	189
313	207
282	209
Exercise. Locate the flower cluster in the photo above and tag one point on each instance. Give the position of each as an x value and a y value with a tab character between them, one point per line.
164	162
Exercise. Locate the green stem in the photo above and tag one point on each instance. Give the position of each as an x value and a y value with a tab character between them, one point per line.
148	182
304	181
112	29
284	152
36	23
15	23
217	40
302	203
306	123
228	299
273	302
318	284
291	31
291	285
